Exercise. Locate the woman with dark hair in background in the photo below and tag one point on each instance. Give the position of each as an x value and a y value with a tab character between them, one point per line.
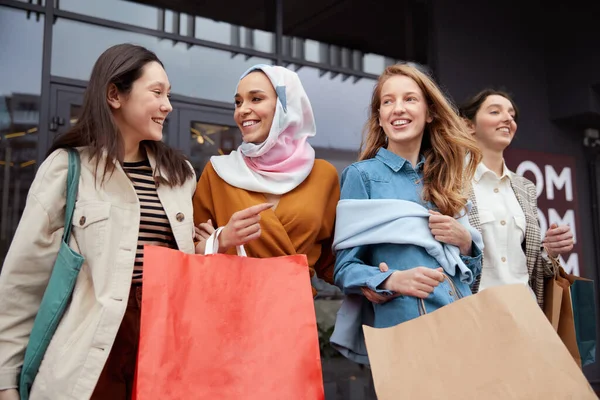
505	204
133	191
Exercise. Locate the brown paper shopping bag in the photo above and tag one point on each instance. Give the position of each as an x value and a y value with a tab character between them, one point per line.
566	322
558	308
553	295
495	345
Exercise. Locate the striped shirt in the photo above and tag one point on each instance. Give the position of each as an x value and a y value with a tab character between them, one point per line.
155	228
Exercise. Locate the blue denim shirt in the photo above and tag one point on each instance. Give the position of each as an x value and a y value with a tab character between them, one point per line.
389	176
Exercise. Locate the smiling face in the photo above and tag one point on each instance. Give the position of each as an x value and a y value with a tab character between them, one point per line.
494	125
403	112
141	113
255	104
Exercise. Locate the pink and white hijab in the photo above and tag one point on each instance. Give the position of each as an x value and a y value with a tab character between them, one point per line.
282	162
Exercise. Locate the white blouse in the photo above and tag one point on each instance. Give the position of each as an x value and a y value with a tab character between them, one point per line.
503	228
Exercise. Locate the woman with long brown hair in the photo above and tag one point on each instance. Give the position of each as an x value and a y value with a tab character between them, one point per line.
133	191
402	234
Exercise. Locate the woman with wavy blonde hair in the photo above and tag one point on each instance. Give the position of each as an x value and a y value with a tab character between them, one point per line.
403	239
444	146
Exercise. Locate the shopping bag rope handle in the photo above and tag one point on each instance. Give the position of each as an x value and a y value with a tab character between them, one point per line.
212	244
423	309
555	262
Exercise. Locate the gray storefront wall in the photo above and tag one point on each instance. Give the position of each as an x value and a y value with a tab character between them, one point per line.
47	52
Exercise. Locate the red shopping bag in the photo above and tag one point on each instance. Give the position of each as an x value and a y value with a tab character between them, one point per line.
227	327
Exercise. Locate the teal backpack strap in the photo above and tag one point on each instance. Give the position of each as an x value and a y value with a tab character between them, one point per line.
72	188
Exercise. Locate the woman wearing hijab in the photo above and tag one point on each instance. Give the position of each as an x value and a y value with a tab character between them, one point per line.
271	194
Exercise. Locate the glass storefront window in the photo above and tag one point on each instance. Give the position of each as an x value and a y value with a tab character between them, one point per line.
223	32
116	10
37	2
20	88
196	71
264	41
215	31
374	63
371	63
311	51
74	114
340	108
148	16
207	140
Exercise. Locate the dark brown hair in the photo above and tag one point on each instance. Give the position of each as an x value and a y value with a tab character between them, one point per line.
96	129
469	108
448	171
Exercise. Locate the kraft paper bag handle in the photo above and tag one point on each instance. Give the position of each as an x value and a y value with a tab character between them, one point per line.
555	263
553	293
423	310
212	245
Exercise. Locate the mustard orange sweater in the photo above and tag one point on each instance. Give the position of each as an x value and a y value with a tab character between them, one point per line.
302	223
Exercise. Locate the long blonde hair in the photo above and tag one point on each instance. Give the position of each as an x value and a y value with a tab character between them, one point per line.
451	154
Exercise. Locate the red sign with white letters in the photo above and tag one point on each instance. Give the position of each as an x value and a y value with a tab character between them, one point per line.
554	178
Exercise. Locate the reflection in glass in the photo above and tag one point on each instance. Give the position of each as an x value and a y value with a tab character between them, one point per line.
169	22
340	107
196	71
371	63
115	10
215	31
207	140
223	32
36	2
74	113
20	85
152	17
311	51
374	63
264	41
